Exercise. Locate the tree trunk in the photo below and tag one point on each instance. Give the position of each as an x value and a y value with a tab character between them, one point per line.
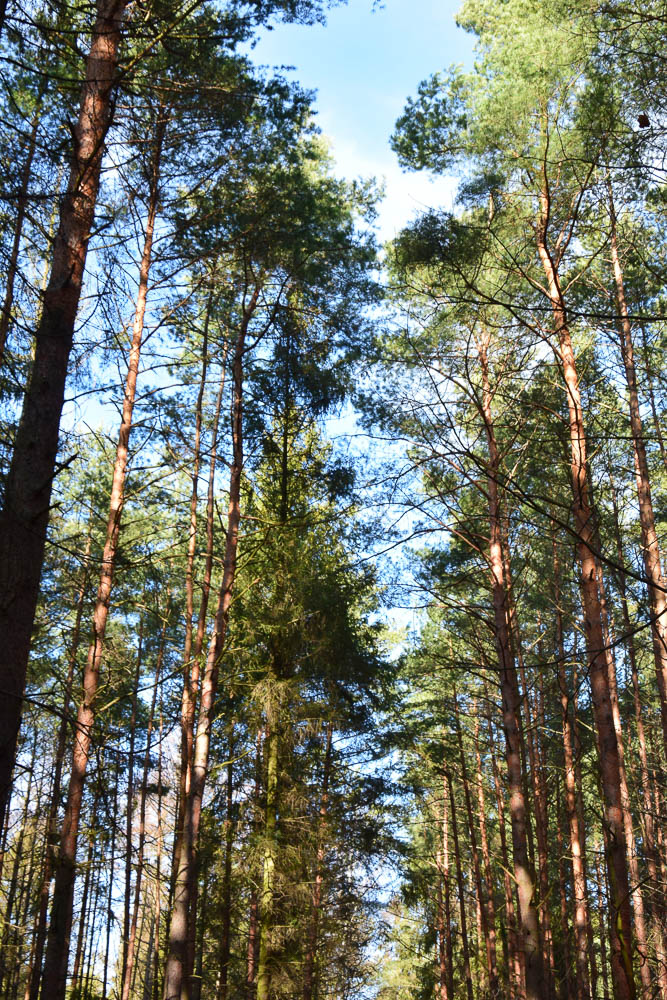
488	932
311	951
266	907
25	514
584	522
509	688
580	896
253	918
225	934
12	267
515	972
650	547
462	894
174	980
59	757
57	951
132	930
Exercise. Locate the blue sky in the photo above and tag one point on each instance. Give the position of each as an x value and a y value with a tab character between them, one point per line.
364	64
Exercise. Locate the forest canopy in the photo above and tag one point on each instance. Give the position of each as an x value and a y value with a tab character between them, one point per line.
332	601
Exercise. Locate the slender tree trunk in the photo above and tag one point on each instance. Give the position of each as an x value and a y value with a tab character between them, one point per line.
313	929
9	915
132	931
83	916
129	811
449	944
487	932
584	522
225	934
650	547
192	653
59	757
25	514
22	204
486	856
109	900
57	951
568	991
253	920
515	970
462	894
601	922
580	896
266	902
524	878
174	982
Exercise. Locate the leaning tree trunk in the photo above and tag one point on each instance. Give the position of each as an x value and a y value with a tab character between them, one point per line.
25	514
57	951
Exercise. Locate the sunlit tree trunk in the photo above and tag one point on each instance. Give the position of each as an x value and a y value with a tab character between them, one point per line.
465	948
57	951
174	980
524	877
25	513
584	523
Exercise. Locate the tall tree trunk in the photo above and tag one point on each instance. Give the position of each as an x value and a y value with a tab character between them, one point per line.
515	971
174	980
192	652
650	547
132	930
266	902
486	856
25	514
22	204
59	757
253	917
586	546
109	900
467	975
225	933
129	810
580	900
9	915
57	950
524	877
488	933
313	929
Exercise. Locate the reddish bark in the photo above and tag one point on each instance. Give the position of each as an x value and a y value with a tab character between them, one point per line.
462	895
586	547
25	514
185	879
525	881
650	546
55	964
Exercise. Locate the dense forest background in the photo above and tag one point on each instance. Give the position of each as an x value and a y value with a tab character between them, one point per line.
333	621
